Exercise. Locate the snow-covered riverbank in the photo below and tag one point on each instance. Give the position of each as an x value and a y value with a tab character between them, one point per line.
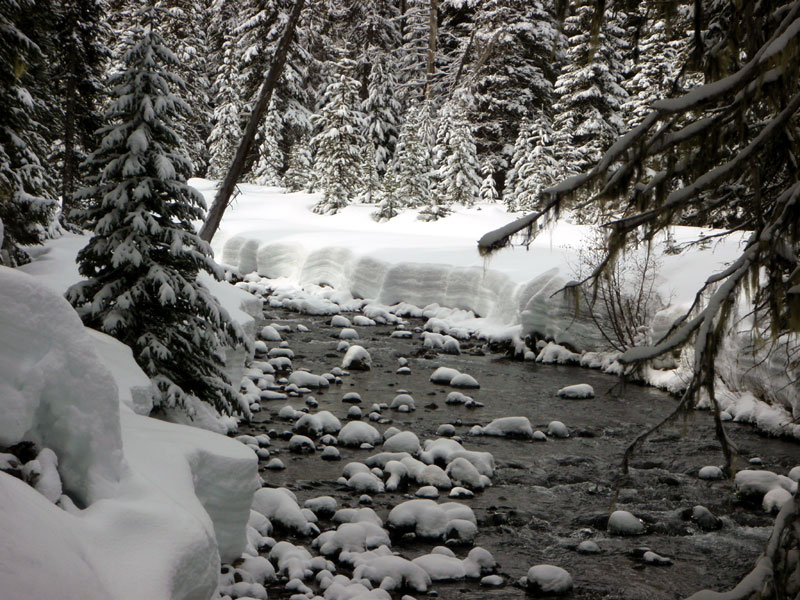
329	263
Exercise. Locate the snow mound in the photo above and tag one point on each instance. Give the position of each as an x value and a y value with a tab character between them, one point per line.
280	507
426	518
577	391
621	522
393	573
405	441
444	375
357	433
357	359
548	579
519	427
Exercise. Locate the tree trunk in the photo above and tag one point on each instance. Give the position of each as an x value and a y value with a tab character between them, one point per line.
70	166
264	96
431	49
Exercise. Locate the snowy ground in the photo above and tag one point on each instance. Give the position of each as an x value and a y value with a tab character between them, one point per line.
504	298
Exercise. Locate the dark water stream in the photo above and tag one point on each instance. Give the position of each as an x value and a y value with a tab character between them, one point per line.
546	496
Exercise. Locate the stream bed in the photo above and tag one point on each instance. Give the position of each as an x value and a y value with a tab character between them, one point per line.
549	496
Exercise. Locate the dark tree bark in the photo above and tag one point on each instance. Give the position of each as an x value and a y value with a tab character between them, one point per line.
264	95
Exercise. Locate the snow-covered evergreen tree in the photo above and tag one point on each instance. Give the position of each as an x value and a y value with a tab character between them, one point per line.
299	172
522	46
458	181
228	105
26	188
534	165
488	191
81	37
412	167
339	142
371	189
391	203
142	263
270	156
587	113
382	110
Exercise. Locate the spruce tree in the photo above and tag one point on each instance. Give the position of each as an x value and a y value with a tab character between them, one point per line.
458	179
81	36
412	166
339	142
535	167
299	172
227	93
488	191
587	113
382	110
141	264
270	157
26	188
371	189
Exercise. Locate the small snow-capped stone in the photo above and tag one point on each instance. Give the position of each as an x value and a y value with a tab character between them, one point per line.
328	440
557	429
354	413
446	430
427	491
403	371
756	461
365	483
444	375
577	391
757	482
363	321
588	547
322	506
330	453
275	464
457	398
509	427
270	334
260	347
348	334
794	474
710	472
621	522
539	436
460	531
280	353
404	441
300	444
775	499
402	361
280	506
401	400
309	380
462	380
401	334
357	358
548	579
492	581
340	321
652	558
343	346
460	492
463	472
352	398
356	433
393	572
302	328
705	519
289	413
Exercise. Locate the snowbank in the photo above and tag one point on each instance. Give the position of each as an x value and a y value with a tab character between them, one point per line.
162	501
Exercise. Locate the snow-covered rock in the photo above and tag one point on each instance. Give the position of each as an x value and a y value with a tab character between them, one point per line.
577	391
357	359
548	579
404	441
444	375
356	433
621	522
462	380
280	506
509	427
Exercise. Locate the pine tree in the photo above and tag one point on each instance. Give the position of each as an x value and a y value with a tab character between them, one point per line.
270	157
81	37
339	142
299	173
458	179
143	260
587	117
26	188
535	167
382	110
412	167
371	190
391	204
488	191
523	50
227	93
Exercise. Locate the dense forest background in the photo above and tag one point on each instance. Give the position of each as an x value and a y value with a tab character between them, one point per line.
401	103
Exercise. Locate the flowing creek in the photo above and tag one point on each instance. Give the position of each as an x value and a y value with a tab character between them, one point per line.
546	497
